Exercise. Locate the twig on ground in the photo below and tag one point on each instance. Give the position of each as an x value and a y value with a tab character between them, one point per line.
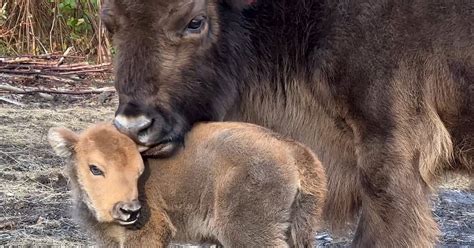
17	103
43	67
11	88
6	224
30	90
83	71
58	79
47	56
81	92
49	67
46	96
66	53
34	76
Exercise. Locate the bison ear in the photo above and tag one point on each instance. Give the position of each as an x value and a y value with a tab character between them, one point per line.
107	15
62	140
239	5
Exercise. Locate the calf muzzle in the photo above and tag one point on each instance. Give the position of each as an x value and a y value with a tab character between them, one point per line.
127	213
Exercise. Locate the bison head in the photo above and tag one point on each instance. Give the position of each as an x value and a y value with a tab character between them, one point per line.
165	67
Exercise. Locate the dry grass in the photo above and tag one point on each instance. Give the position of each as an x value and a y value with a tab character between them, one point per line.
457	181
34	197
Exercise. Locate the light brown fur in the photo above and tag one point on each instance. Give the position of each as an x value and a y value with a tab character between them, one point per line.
235	184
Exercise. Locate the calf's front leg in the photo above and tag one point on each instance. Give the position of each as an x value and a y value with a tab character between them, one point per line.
157	232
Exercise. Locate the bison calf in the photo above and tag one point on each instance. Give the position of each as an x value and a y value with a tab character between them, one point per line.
234	184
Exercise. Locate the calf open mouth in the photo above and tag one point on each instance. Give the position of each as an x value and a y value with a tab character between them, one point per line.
133	217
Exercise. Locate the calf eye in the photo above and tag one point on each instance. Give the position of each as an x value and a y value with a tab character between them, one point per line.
196	24
95	170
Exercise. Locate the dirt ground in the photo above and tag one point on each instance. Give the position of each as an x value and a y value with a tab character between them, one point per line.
34	197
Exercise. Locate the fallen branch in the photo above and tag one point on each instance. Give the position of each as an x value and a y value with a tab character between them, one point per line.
6	224
66	53
46	96
51	67
81	92
46	56
42	65
65	67
22	72
35	75
16	90
83	71
10	88
17	103
13	77
26	61
58	79
45	69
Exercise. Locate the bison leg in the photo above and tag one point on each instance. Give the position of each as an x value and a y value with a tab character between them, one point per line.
395	209
342	201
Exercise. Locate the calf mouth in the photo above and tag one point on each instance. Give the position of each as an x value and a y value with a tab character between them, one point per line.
132	219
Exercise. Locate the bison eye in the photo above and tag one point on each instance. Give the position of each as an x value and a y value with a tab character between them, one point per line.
196	24
95	170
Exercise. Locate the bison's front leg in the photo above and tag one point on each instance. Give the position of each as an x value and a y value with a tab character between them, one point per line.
395	206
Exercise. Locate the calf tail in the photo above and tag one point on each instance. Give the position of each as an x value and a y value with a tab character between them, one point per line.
310	198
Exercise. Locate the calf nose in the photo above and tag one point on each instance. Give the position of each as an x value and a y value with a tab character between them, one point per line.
127	212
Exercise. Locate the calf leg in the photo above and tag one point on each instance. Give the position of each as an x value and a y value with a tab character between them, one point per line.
157	232
395	207
233	239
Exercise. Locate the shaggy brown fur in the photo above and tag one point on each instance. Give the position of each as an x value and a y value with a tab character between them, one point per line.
381	90
236	184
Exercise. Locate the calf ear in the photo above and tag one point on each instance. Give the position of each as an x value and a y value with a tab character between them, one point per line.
62	140
239	5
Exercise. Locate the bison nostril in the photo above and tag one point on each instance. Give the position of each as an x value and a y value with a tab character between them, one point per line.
132	125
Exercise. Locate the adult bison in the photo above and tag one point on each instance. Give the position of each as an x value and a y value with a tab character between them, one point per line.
382	90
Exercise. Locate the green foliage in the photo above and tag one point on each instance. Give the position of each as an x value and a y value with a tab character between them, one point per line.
67	6
77	17
39	26
4	51
3	13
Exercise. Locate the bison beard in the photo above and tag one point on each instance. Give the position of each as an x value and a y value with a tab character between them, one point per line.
380	90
